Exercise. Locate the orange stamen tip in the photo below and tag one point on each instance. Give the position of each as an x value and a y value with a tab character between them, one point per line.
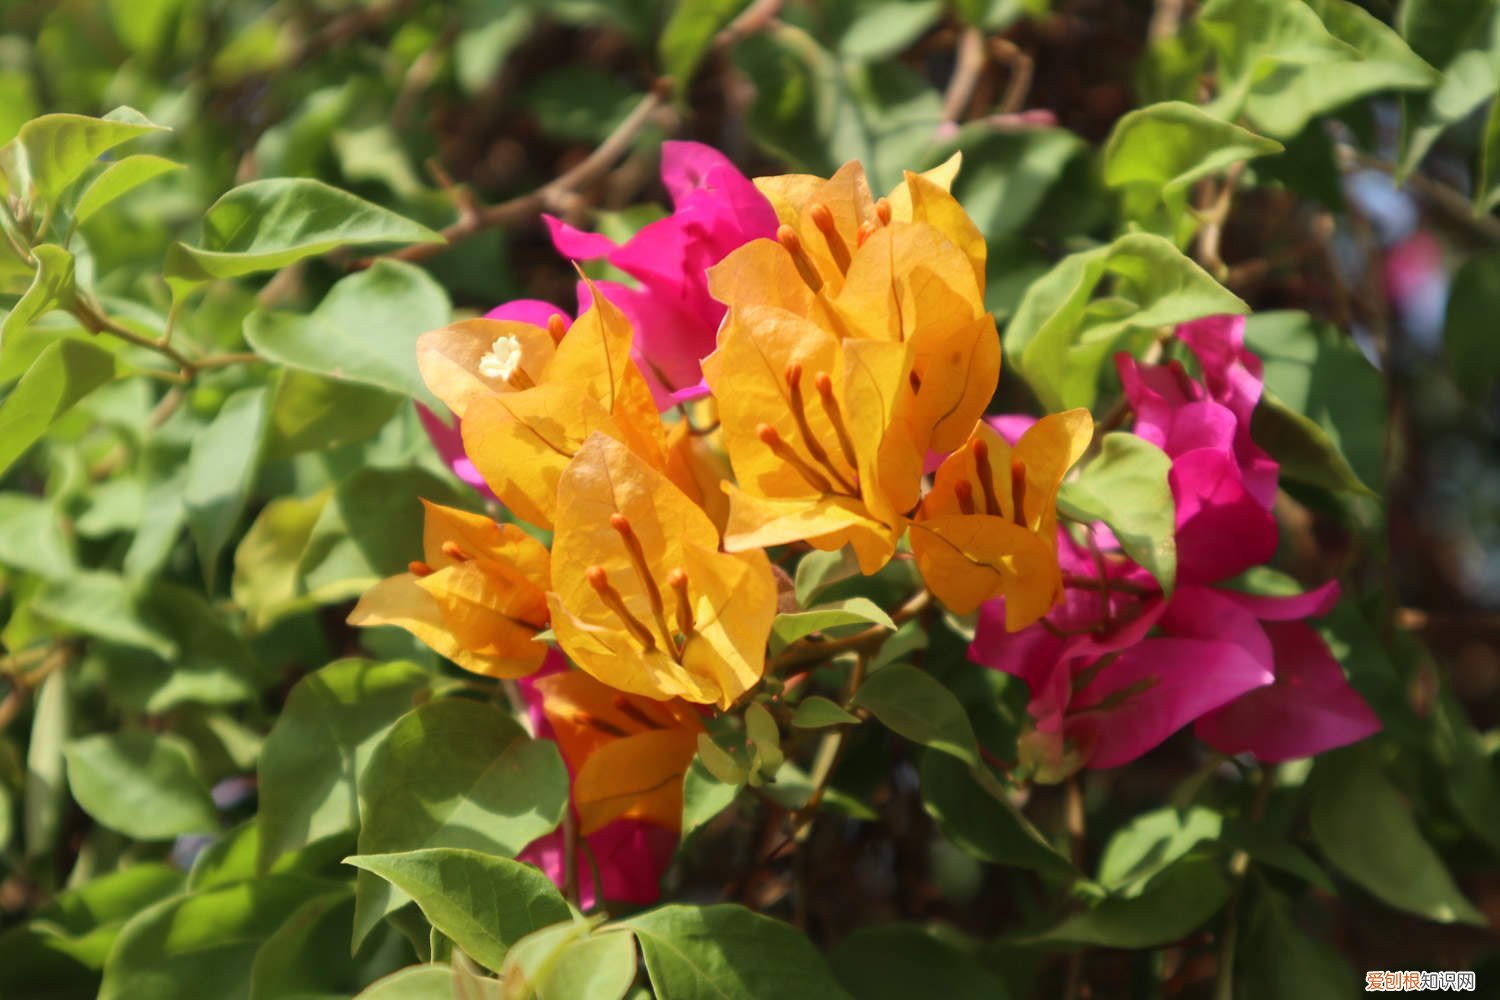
793	373
964	489
821	216
556	326
883	211
824	384
981	448
767	435
787	237
619	522
418	568
677	579
452	551
598	579
865	231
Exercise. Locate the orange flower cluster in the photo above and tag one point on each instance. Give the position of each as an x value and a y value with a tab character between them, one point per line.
855	346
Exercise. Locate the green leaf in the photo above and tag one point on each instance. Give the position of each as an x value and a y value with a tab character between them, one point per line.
313	413
266	580
917	706
172	949
689	33
51	288
1365	828
1320	373
1157	153
816	712
1059	338
308	955
145	785
600	967
482	902
1302	447
788	627
982	820
364	331
1473	353
726	952
1126	487
458	774
882	29
103	605
1150	842
221	469
1278	958
1487	191
267	224
57	149
62	374
417	982
118	179
46	775
32	537
817	571
704	797
1171	906
1284	62
902	961
315	756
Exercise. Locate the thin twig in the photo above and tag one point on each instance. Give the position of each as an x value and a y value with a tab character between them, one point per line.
1444	200
752	19
1021	68
969	66
811	651
1213	214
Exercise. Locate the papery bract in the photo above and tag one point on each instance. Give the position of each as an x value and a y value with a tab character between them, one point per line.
478	596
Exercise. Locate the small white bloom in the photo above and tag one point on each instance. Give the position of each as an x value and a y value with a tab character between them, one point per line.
502	360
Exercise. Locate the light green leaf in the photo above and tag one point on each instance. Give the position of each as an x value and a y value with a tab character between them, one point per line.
704	796
817	712
46	776
62	374
689	33
118	179
364	331
313	413
103	605
1126	487
170	950
32	537
458	774
902	961
221	468
818	570
982	820
57	149
726	952
788	627
267	224
1365	828
1171	906
1059	338
1303	448
1151	841
482	902
883	29
600	967
416	982
917	706
145	785
265	583
308	955
51	288
316	753
1157	153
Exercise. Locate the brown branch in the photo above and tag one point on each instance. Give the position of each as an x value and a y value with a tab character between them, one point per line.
1442	199
969	66
474	219
752	19
1021	68
1213	213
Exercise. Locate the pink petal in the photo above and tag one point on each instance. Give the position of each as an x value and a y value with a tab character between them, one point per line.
1221	529
1309	709
1314	603
692	393
533	311
1011	426
668	345
575	244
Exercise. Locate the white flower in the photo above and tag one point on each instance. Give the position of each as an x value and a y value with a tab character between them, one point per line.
502	360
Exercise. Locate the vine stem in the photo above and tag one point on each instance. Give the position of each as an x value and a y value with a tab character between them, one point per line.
1077	832
1239	867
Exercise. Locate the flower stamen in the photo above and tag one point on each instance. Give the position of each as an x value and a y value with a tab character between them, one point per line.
781	450
678	581
831	407
793	376
634	712
622	527
1018	491
556	327
883	211
964	490
981	449
822	217
599	580
787	237
418	568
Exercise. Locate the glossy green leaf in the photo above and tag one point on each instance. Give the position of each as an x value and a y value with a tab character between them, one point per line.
1170	907
788	627
1152	841
899	961
32	536
1156	154
704	796
313	759
1473	351
1059	338
1365	828
221	469
308	955
266	583
365	330
483	902
119	179
1302	447
51	288
57	149
454	773
61	375
601	966
417	982
145	785
313	413
1126	487
170	950
688	35
267	224
817	571
915	705
726	952
816	712
982	820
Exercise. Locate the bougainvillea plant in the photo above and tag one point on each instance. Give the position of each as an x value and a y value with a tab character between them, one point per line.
868	499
